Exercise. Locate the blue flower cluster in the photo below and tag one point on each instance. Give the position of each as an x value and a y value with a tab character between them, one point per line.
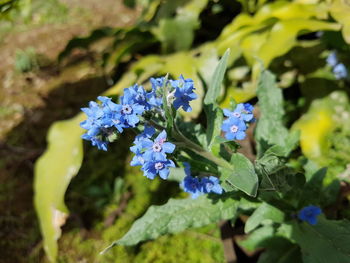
152	154
107	119
339	69
183	93
199	186
237	121
309	214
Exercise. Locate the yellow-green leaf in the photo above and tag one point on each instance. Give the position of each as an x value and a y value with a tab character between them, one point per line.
53	173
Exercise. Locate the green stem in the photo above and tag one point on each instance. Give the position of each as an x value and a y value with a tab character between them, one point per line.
199	150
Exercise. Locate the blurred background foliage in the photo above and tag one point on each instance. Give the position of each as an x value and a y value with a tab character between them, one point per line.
59	54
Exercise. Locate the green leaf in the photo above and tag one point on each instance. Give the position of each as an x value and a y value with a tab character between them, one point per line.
242	176
214	121
216	80
176	174
255	239
270	129
327	241
214	114
280	250
53	172
175	216
57	166
264	214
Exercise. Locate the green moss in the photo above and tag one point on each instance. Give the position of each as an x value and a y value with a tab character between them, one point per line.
190	246
201	245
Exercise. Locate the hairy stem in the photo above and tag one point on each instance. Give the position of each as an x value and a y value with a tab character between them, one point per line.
199	150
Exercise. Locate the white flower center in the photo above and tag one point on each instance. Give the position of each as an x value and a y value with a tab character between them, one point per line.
126	109
234	128
159	166
237	114
157	147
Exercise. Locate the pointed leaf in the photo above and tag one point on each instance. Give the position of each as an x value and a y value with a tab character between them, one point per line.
262	215
214	114
53	173
175	216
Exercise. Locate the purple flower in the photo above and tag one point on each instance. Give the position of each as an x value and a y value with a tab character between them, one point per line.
234	128
309	214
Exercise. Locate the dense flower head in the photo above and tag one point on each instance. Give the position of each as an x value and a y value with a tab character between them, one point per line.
183	93
237	121
151	154
138	95
198	186
309	214
106	119
99	123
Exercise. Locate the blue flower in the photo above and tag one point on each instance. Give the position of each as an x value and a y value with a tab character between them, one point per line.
332	59
211	184
309	214
155	97
157	167
234	128
130	111
242	111
97	129
95	141
192	185
158	148
198	186
340	71
138	95
183	93
112	116
138	146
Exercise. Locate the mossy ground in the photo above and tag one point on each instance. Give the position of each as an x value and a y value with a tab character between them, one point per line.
85	237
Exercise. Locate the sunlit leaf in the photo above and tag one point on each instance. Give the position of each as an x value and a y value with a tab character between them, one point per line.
176	216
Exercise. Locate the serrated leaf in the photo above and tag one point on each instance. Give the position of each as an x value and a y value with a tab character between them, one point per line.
175	216
327	241
262	215
242	176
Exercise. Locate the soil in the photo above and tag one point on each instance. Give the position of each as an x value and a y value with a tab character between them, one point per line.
31	102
